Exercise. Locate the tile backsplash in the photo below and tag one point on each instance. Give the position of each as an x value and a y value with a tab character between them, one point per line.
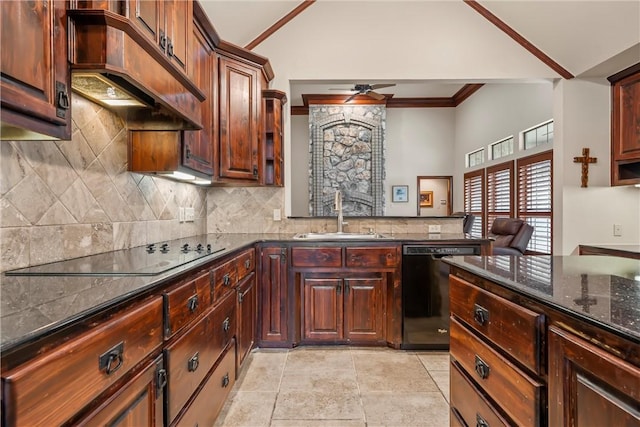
64	199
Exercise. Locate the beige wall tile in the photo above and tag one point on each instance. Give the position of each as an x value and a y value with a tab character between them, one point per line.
10	216
57	214
31	197
15	244
46	244
13	165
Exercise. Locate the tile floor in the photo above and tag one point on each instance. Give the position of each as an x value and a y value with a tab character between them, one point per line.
340	387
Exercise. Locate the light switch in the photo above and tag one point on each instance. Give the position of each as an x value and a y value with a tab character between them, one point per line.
617	230
180	214
434	228
276	215
189	214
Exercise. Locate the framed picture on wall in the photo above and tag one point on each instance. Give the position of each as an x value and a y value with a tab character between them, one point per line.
426	199
399	193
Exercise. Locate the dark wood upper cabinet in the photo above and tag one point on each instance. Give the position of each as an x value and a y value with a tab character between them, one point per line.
625	132
168	23
35	83
239	120
197	148
272	144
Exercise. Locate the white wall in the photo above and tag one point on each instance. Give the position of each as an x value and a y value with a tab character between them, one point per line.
587	215
495	112
418	141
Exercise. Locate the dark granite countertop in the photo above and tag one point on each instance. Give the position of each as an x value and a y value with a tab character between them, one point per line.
33	306
601	290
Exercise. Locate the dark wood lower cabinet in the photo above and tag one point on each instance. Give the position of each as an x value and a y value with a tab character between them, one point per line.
589	386
139	403
247	317
273	297
343	309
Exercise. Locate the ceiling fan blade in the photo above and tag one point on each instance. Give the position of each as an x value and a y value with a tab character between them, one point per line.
380	86
341	88
376	95
351	97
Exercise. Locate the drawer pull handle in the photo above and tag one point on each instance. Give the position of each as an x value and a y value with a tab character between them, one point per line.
112	360
161	379
192	303
480	314
226	279
225	380
193	363
226	325
482	368
247	264
481	422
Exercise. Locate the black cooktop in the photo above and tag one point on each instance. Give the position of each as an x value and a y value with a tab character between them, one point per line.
149	260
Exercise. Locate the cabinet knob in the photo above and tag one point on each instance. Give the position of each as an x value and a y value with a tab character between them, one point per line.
226	279
163	41
247	264
112	360
225	380
226	325
480	314
192	303
193	363
482	368
481	422
169	47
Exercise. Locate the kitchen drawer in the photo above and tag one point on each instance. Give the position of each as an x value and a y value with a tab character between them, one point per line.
511	327
224	324
372	257
469	403
53	387
512	389
206	406
316	257
225	277
245	263
186	302
188	360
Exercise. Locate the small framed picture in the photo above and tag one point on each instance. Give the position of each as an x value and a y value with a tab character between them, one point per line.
399	193
426	199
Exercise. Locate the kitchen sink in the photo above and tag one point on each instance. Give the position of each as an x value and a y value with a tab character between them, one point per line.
338	236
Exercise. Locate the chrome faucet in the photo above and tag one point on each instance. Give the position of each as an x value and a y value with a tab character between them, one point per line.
338	208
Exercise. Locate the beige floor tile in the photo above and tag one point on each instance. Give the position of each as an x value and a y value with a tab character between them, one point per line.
405	409
247	409
435	361
262	372
318	423
391	371
442	381
317	405
343	380
308	358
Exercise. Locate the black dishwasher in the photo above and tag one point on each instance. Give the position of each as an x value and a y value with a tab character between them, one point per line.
425	294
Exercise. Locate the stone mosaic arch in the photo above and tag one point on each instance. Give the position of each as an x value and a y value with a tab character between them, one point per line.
347	154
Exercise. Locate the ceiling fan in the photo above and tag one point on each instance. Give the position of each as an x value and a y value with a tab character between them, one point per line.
367	89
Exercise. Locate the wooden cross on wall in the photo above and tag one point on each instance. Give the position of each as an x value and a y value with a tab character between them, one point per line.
585	160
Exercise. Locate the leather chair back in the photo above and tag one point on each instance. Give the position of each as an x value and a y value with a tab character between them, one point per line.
510	236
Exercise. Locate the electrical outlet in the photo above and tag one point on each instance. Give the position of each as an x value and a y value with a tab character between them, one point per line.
617	230
180	214
189	214
434	228
276	215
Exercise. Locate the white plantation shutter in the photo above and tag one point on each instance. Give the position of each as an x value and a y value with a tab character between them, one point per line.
535	198
473	199
499	188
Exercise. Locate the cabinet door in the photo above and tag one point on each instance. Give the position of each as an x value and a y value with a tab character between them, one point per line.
178	16
137	404
273	296
323	312
247	317
589	386
148	16
198	145
364	309
238	120
35	74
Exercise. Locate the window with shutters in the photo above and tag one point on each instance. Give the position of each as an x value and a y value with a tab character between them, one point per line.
474	199
535	198
499	189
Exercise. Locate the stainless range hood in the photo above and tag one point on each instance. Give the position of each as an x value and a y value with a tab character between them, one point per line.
116	65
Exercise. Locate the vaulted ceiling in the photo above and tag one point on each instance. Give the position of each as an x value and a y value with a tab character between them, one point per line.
594	38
